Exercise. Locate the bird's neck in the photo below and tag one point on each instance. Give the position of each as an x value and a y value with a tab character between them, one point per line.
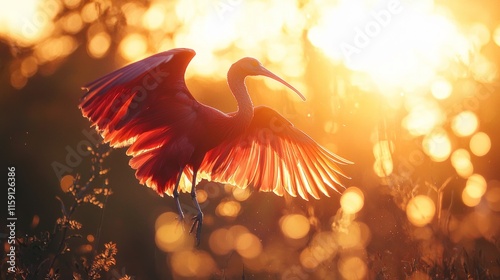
244	114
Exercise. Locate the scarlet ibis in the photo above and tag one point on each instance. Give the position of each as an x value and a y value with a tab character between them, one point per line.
175	141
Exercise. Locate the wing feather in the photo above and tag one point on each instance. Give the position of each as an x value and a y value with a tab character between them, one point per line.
308	168
272	155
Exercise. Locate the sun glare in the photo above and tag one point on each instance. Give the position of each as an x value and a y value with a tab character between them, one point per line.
398	43
26	21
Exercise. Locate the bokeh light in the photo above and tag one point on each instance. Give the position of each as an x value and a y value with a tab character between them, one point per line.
72	23
189	263
475	186
441	88
353	268
241	194
90	238
72	3
480	144
295	226
437	145
99	45
307	259
468	200
460	160
355	235
221	241
321	248
89	12
202	196
228	208
248	245
484	70
424	116
55	48
154	17
352	200
464	124
170	235
67	182
420	210
133	46
29	66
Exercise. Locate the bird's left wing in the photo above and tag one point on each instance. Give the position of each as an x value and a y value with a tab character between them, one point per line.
273	155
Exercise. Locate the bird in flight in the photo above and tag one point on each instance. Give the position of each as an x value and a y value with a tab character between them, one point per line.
175	141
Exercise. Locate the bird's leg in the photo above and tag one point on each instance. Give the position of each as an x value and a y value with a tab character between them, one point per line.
176	196
198	219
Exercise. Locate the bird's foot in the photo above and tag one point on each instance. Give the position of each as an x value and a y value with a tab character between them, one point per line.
197	222
181	222
181	217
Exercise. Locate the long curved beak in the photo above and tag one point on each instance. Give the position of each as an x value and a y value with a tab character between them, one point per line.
270	74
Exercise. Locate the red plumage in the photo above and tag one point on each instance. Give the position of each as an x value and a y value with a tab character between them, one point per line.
147	106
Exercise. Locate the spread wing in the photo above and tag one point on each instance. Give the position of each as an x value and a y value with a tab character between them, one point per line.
133	100
145	105
273	155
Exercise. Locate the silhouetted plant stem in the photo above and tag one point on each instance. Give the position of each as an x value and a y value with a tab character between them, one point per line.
98	232
68	214
60	247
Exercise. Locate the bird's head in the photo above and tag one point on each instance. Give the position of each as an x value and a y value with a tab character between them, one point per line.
249	66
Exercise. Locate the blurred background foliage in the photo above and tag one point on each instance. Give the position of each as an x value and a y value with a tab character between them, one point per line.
408	90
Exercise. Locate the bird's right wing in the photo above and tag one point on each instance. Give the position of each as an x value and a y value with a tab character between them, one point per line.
145	105
273	155
142	97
